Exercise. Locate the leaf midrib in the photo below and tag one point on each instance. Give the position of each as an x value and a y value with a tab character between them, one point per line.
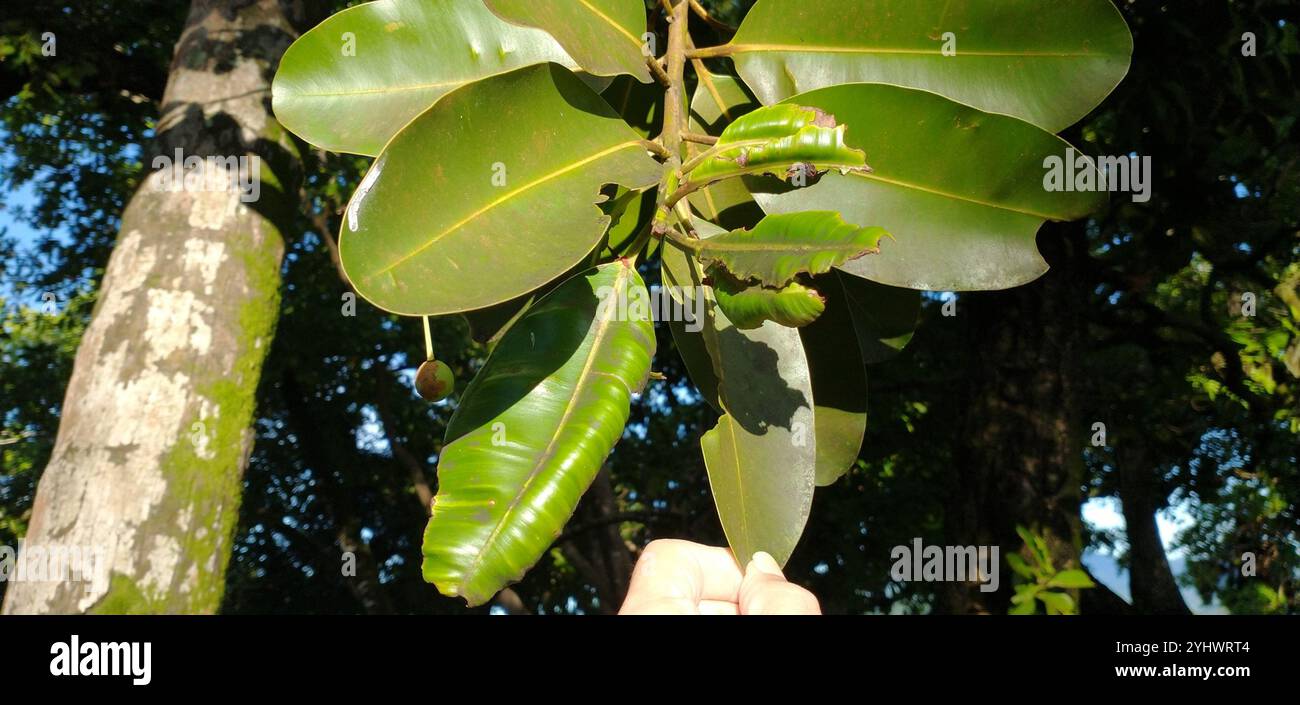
584	375
724	248
504	199
820	49
612	23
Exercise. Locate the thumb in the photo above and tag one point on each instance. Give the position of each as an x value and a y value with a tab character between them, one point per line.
764	590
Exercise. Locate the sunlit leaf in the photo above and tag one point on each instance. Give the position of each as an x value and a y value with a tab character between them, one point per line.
357	78
1046	62
718	100
781	246
762	455
961	191
603	36
489	194
533	429
750	305
783	140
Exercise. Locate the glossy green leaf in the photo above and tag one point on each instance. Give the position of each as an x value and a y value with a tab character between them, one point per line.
960	190
357	78
839	382
884	317
489	194
780	140
603	36
762	455
781	246
533	429
750	305
716	103
1049	63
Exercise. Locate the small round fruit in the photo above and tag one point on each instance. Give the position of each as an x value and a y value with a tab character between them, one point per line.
434	381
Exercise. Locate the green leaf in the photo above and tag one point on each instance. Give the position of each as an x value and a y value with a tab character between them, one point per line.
782	140
884	317
1022	608
781	246
1073	578
357	78
1025	593
641	106
839	383
961	191
1049	63
630	212
604	36
695	355
718	100
489	194
533	429
1057	602
1019	565
749	306
682	277
762	455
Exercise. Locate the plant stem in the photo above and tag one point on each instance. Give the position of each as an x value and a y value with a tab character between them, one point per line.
711	52
699	139
428	340
674	117
658	149
658	71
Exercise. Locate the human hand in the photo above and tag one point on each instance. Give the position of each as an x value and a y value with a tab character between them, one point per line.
680	577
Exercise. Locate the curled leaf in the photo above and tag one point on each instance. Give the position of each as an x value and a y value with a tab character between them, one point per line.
748	306
781	246
784	140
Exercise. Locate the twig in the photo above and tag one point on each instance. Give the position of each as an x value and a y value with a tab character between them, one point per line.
699	139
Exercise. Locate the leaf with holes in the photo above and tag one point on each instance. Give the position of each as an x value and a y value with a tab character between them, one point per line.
781	140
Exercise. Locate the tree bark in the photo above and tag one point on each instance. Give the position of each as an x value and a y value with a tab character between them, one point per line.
1151	581
155	435
1018	460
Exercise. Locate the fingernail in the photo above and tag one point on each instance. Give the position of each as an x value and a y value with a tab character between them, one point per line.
764	562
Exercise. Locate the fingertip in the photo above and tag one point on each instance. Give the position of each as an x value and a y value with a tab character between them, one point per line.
763	562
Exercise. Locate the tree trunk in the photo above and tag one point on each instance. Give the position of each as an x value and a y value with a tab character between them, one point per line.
155	434
1151	581
1018	459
